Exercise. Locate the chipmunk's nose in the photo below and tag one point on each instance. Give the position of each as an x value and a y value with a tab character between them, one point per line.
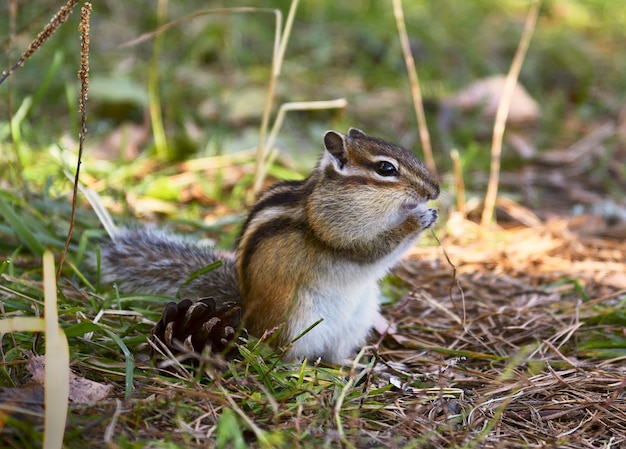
434	191
431	191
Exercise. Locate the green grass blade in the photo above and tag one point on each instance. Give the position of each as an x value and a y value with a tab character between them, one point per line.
23	233
202	271
129	361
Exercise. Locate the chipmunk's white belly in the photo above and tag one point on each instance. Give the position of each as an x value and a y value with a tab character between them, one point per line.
348	312
345	296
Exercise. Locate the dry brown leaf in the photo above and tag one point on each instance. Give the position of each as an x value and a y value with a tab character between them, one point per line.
82	391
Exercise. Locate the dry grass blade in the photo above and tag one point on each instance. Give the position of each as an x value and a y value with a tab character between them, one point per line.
415	87
503	111
110	430
458	182
57	357
57	363
339	103
280	45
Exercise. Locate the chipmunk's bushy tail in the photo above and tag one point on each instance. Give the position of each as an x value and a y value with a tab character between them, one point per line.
148	260
143	259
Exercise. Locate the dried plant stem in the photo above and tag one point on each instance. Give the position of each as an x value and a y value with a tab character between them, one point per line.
338	103
415	86
55	22
281	38
503	112
280	45
458	181
83	75
243	9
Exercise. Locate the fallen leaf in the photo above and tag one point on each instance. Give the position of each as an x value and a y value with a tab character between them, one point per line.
82	391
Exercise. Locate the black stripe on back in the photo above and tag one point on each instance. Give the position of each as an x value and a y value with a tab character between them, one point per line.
288	192
263	233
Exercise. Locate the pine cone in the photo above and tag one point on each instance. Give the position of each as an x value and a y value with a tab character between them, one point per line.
187	327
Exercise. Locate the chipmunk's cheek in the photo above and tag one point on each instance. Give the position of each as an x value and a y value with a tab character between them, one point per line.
413	207
410	206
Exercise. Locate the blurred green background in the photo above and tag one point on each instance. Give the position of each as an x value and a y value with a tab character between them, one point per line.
212	75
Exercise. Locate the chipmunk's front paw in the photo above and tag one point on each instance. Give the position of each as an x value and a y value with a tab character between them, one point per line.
428	218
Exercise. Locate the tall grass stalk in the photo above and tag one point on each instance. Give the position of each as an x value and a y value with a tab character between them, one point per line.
51	27
415	87
339	103
280	45
503	112
83	75
459	182
156	116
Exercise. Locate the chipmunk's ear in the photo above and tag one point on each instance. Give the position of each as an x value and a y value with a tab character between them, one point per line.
335	144
355	133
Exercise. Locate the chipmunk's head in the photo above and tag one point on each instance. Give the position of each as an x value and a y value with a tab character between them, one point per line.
361	159
372	183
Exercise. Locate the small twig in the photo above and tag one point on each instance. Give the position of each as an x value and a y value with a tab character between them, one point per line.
503	112
454	281
415	86
55	22
83	75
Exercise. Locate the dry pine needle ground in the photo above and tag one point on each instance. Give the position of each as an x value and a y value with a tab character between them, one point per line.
507	331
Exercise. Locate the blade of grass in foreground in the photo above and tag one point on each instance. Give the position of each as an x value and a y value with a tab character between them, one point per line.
57	362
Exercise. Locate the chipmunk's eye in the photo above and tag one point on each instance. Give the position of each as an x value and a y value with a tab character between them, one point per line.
386	168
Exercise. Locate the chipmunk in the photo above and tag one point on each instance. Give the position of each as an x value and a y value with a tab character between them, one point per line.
308	250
